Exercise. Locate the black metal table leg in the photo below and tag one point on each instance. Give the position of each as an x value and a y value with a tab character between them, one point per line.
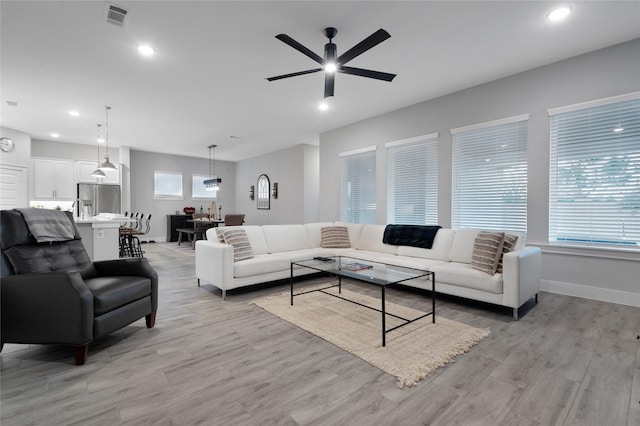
291	283
384	326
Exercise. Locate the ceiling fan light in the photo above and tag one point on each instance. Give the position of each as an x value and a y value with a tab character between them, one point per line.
330	67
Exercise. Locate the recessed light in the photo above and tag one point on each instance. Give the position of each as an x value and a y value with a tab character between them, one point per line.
55	135
74	113
323	106
100	140
145	50
559	14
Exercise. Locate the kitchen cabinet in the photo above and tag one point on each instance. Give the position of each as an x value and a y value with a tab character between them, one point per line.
85	168
53	180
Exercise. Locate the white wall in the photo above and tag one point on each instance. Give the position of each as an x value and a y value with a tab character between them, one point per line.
604	73
296	172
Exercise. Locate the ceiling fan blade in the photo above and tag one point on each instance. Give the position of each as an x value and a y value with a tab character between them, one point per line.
300	48
280	77
367	73
329	79
366	44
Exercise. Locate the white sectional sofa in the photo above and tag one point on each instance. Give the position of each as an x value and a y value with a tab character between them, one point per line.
275	246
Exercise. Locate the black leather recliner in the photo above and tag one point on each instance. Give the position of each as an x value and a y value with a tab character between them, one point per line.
53	293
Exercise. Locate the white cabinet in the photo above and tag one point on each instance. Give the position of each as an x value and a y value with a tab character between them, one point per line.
53	180
85	168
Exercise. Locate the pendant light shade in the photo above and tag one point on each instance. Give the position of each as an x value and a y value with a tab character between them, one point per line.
107	165
213	183
97	173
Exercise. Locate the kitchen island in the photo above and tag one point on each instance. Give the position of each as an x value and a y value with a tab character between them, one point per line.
101	235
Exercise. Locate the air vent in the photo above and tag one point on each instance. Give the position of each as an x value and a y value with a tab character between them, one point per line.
116	15
12	103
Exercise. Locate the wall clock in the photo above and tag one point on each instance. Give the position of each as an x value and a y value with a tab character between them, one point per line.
6	144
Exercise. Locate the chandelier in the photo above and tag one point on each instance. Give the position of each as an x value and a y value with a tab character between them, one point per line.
213	183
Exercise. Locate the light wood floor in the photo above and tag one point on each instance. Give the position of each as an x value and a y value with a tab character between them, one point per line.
568	361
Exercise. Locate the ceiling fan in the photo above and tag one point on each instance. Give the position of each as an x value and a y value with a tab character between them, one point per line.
332	64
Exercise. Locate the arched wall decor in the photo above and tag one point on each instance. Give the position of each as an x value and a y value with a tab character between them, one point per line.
264	194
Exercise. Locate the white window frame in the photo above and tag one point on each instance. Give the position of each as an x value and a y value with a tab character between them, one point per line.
197	183
412	180
358	199
588	162
489	175
160	194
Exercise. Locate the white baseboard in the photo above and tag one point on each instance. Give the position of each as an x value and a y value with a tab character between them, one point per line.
594	293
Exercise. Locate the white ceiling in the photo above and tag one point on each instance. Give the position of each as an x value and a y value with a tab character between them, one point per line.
206	84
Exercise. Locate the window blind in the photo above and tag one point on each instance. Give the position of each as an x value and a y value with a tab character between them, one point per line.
358	198
594	185
412	181
489	182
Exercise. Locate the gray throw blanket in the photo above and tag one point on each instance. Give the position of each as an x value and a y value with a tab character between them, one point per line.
48	225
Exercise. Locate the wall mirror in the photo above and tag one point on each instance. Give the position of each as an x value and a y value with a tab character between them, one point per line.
264	195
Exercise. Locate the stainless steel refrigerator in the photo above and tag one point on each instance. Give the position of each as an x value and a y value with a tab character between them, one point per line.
98	198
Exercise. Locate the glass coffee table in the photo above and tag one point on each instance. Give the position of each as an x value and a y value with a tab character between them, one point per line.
374	273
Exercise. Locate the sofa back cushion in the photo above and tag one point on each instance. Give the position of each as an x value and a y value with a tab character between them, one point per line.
286	237
314	232
256	238
462	245
371	240
438	251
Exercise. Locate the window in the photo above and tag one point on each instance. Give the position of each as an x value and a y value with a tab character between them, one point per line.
198	189
358	198
412	181
167	185
594	185
489	181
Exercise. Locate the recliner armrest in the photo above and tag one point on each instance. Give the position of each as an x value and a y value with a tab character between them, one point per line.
135	267
52	307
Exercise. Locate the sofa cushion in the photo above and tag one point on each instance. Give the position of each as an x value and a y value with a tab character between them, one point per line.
335	237
256	238
463	275
110	293
487	249
438	251
508	245
237	237
286	237
261	264
371	240
462	245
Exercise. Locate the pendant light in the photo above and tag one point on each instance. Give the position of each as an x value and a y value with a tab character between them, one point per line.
107	165
213	183
97	172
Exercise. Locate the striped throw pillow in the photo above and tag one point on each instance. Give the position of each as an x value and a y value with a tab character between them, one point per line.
334	237
236	236
508	245
487	249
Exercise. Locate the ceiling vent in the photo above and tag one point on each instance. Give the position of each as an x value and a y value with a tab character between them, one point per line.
116	15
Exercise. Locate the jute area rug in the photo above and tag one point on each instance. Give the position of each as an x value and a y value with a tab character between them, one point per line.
411	352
